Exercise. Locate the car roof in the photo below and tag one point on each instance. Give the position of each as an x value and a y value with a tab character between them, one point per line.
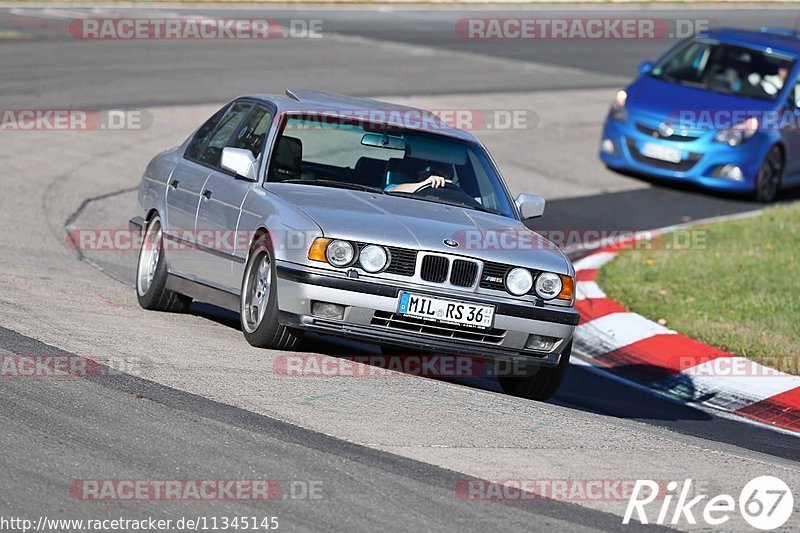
780	40
376	111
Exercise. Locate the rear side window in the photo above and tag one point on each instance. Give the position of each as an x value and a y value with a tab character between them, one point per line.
251	135
208	151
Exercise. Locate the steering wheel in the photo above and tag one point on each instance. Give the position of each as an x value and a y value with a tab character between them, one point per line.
447	185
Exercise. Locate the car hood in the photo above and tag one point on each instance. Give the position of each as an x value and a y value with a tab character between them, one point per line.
649	97
423	225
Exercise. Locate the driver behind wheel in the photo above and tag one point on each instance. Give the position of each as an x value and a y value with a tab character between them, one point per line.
434	176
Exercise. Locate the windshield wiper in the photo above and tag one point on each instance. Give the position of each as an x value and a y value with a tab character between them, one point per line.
699	85
334	183
476	207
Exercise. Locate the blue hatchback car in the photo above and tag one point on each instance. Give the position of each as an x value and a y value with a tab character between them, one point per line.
720	110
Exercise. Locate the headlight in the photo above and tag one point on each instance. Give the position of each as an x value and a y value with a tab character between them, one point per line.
340	253
373	258
548	285
519	281
618	109
739	133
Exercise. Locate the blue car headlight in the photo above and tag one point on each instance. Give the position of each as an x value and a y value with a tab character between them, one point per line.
618	110
739	133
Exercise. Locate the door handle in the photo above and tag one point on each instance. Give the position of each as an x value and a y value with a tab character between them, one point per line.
207	194
174	184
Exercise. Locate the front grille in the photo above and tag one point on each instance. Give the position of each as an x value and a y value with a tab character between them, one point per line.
437	268
683	166
450	331
653	132
464	272
434	268
494	276
403	262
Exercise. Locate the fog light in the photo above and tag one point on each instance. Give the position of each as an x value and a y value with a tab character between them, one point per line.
540	343
607	146
327	310
731	172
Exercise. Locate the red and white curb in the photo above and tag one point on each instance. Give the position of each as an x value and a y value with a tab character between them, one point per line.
637	349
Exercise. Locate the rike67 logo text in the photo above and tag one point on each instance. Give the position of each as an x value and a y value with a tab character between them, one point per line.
765	503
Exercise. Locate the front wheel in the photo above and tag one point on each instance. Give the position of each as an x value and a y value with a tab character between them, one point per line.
259	305
540	383
768	181
151	274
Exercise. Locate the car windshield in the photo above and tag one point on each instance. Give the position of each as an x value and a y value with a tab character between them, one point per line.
725	68
366	156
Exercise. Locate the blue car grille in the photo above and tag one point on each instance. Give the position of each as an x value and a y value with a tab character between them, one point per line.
687	164
653	132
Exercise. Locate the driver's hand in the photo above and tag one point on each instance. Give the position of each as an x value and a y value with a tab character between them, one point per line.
436	181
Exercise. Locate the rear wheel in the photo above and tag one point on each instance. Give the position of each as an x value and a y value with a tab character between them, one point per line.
151	274
768	181
540	383
259	304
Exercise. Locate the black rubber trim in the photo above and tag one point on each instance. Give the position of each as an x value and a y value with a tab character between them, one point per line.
203	292
136	224
568	316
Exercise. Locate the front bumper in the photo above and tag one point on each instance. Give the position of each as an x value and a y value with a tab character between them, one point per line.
702	157
367	304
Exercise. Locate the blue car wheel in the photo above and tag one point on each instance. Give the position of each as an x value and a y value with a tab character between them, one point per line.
769	177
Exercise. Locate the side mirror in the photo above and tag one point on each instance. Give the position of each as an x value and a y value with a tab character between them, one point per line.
530	205
645	67
239	161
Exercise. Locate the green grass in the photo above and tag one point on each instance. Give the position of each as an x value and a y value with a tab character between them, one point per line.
737	287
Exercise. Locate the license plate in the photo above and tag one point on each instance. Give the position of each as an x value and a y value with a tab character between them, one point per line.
445	311
661	152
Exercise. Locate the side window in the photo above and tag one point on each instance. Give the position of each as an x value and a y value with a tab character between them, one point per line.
201	136
251	135
211	152
795	96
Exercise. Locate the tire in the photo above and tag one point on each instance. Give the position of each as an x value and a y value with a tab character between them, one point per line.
151	274
258	304
770	174
541	383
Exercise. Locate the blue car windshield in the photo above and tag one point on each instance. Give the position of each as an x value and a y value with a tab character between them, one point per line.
359	155
725	68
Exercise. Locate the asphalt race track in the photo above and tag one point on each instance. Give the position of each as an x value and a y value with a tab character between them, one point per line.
190	399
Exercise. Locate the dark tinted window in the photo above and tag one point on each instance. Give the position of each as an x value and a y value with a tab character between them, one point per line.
251	135
725	68
201	136
211	150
